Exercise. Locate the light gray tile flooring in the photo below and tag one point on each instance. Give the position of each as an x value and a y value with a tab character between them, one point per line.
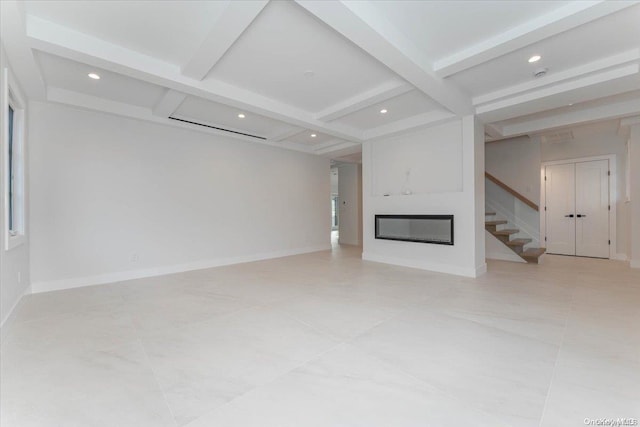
326	339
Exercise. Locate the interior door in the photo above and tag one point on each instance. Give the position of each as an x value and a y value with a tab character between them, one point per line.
592	209
560	221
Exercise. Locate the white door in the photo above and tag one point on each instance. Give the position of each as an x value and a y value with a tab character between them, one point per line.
560	209
592	209
577	209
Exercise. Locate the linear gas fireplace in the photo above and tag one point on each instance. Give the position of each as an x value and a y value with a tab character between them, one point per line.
437	229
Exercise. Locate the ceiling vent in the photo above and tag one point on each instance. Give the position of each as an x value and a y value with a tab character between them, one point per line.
558	137
218	128
540	72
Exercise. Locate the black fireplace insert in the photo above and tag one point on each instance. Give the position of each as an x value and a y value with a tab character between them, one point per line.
436	229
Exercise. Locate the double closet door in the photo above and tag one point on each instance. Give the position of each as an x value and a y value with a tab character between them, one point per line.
577	208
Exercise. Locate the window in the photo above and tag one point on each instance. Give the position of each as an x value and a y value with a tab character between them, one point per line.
13	108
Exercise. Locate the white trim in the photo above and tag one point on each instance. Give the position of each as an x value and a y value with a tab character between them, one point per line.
77	282
507	255
12	97
10	316
613	195
497	256
425	265
621	257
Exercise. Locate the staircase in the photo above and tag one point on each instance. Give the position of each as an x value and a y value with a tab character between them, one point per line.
530	255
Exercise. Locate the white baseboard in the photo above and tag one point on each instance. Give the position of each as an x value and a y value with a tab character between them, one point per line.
349	243
504	257
77	282
480	270
430	266
620	257
635	263
10	316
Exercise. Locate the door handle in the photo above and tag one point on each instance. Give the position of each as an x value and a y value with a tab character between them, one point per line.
581	216
569	216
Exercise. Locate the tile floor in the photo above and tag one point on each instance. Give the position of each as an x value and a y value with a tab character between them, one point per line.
325	339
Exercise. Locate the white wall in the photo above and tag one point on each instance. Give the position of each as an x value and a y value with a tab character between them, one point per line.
350	199
634	208
14	263
516	162
447	177
114	198
596	140
498	250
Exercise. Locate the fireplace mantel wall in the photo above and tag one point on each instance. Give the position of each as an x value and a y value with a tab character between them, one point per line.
456	186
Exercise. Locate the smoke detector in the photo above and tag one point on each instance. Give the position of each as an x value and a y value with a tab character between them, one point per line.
540	72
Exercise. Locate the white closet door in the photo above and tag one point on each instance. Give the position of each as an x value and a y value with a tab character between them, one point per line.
592	209
560	209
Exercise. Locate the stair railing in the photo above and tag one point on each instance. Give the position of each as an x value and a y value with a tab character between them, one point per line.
511	191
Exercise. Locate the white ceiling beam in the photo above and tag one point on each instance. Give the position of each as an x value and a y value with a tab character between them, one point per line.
541	99
363	100
432	118
493	130
169	103
233	20
287	134
564	18
363	24
630	121
93	103
339	147
624	126
624	58
23	62
328	144
62	41
572	118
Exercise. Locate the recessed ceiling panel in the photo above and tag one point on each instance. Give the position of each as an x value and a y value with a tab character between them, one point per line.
70	75
613	34
400	107
442	28
220	115
574	107
168	30
312	138
289	55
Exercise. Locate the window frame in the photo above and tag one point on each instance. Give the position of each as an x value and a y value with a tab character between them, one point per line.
15	233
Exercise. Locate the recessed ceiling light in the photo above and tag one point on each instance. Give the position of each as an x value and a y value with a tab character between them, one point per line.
313	135
94	76
241	116
383	111
535	58
570	104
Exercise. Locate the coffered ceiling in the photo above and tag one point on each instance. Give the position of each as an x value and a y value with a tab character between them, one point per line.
324	76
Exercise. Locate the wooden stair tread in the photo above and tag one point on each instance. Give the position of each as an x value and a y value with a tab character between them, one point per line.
533	253
489	213
496	222
506	232
517	242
